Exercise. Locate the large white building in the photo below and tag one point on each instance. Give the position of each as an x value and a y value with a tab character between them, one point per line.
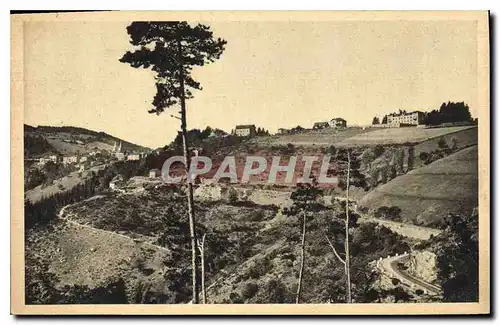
408	118
245	130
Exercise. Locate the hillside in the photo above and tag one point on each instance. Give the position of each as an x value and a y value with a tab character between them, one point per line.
400	135
427	194
70	140
322	137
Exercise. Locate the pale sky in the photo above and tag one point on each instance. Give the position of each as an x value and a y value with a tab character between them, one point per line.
272	74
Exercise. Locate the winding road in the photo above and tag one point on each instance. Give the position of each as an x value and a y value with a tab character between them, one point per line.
390	267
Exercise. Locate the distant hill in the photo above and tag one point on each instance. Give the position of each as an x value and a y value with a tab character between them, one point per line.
427	194
43	140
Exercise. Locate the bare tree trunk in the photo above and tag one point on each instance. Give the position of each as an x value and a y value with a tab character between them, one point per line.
192	222
347	257
303	248
201	247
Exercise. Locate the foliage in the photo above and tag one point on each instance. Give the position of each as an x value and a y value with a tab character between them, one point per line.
458	258
171	49
250	290
442	143
36	145
448	113
389	213
275	292
40	288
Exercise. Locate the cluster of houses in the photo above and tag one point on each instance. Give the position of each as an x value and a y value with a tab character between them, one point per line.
336	123
81	162
250	130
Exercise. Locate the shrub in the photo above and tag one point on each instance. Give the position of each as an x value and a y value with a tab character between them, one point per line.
442	143
332	150
257	215
379	150
250	290
424	157
232	195
235	298
260	268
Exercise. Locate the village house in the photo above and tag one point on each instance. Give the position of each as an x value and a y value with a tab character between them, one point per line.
321	125
83	159
283	131
134	156
70	160
338	123
42	161
405	118
54	158
245	130
120	155
153	173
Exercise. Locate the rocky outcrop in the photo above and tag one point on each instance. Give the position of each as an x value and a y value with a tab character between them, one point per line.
422	265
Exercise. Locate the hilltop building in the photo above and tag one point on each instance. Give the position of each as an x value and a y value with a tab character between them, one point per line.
283	131
338	123
321	125
245	130
405	118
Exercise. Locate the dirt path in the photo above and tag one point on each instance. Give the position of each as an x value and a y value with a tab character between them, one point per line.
405	229
107	232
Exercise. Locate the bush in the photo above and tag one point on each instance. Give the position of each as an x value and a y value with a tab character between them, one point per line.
260	268
235	298
442	143
232	195
257	215
332	150
424	157
379	150
250	290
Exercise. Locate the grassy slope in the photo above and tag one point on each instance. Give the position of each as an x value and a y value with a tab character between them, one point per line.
323	137
400	135
427	194
84	256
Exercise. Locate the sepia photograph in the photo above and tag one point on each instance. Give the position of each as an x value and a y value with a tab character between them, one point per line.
272	162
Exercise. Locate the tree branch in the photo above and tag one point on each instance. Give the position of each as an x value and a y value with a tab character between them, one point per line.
334	250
